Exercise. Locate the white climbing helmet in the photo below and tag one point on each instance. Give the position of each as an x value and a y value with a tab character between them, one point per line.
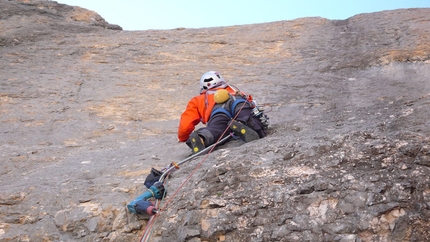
211	79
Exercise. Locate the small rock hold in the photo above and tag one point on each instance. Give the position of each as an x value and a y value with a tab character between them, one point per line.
11	199
289	155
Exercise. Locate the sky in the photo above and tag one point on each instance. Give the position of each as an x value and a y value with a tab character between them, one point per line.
171	14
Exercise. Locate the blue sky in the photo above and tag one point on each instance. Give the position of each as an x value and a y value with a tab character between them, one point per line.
170	14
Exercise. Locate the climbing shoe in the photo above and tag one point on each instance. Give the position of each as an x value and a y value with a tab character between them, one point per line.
197	143
243	131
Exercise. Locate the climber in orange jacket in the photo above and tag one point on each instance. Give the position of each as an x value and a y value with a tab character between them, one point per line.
216	106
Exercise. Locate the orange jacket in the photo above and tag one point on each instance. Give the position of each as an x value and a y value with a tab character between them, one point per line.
198	110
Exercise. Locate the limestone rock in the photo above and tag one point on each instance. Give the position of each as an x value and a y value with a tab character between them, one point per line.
87	110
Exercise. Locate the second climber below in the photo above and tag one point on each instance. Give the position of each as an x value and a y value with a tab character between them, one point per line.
220	106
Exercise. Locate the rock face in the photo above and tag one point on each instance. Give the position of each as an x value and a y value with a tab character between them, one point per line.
87	109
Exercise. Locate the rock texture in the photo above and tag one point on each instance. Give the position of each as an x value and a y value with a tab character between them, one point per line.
87	109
